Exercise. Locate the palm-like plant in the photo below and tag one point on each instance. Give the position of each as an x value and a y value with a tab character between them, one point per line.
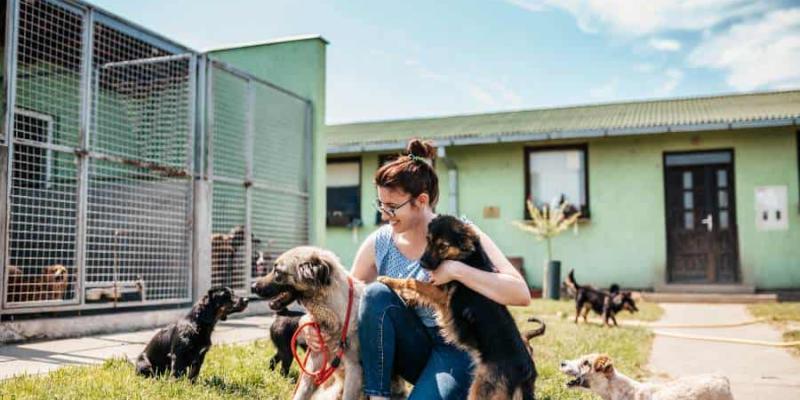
546	224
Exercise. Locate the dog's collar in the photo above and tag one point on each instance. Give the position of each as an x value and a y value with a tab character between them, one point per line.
343	341
343	344
326	371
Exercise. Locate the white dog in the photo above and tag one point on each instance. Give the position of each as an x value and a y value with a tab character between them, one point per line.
596	373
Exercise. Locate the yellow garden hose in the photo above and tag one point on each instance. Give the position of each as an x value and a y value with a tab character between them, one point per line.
727	340
702	326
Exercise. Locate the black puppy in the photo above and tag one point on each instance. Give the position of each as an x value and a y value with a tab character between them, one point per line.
607	304
504	366
281	332
181	347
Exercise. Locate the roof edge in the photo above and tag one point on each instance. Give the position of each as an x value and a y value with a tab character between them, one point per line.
268	42
557	135
566	107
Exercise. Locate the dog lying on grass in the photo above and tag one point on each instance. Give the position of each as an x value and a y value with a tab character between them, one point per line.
181	347
596	373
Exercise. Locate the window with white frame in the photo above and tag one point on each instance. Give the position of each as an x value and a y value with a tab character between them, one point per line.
344	192
33	160
558	174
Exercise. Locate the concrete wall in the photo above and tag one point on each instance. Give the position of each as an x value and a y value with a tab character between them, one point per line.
625	239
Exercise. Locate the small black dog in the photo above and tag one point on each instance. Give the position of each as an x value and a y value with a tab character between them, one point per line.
281	332
181	347
607	304
504	363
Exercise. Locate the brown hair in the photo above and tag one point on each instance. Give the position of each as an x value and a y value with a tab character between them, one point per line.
412	172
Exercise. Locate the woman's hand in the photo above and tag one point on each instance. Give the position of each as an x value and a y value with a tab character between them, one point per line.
447	271
312	339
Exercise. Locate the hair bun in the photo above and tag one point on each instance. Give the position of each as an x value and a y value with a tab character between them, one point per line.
419	148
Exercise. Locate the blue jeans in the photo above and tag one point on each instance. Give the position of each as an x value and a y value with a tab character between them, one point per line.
393	339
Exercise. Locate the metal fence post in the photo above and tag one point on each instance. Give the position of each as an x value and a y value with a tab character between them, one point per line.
87	56
248	197
309	133
12	41
203	186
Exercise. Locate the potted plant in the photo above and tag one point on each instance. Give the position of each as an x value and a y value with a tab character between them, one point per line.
545	224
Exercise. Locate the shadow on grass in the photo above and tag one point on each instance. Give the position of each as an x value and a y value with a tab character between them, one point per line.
221	385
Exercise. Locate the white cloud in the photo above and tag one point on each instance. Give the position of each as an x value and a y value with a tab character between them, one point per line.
644	67
673	76
665	44
607	91
643	17
762	53
530	5
493	93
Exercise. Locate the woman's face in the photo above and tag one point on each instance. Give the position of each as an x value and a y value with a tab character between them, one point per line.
407	212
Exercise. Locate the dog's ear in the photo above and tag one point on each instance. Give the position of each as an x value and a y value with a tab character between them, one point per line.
317	271
603	364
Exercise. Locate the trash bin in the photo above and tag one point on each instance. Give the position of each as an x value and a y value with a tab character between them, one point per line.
552	280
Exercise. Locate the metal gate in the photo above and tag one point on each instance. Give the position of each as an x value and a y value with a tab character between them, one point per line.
259	156
98	161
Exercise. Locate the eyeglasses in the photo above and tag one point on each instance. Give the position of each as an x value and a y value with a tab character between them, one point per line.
391	211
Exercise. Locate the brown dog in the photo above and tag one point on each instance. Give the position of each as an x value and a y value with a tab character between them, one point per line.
47	284
225	255
504	366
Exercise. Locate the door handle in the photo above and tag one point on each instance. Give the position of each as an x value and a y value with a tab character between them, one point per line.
709	222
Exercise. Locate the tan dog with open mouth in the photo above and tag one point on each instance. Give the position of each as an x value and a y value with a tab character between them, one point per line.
596	373
315	278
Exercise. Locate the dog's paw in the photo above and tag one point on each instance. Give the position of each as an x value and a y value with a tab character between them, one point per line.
403	287
393	283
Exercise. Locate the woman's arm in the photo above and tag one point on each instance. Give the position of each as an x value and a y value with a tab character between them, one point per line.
505	287
364	268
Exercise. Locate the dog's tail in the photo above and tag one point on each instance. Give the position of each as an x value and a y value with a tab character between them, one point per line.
613	289
530	334
572	285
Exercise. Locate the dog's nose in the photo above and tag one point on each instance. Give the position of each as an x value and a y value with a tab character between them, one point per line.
563	364
245	300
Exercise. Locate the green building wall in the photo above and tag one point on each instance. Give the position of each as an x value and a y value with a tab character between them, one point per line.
624	241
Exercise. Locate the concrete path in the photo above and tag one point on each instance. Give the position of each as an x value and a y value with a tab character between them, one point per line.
756	372
46	356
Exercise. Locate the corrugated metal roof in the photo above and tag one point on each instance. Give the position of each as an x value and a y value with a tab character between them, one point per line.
645	117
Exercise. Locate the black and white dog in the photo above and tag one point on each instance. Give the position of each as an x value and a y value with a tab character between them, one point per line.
181	347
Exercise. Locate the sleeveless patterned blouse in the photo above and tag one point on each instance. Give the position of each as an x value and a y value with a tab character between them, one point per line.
392	263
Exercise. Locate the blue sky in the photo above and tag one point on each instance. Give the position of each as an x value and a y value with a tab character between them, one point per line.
411	58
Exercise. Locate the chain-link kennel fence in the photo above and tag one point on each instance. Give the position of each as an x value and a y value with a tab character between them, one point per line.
98	164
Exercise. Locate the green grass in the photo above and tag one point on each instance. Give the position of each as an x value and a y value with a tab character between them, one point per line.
786	316
230	372
777	312
240	372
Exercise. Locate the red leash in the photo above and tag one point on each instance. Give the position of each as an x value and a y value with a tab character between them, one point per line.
327	369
